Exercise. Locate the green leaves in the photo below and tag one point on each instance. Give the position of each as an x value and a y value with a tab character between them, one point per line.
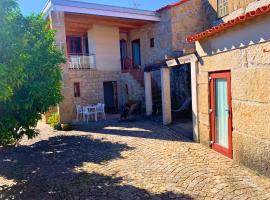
30	76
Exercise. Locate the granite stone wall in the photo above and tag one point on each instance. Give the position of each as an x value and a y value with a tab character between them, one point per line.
131	89
91	90
250	77
162	34
186	19
169	34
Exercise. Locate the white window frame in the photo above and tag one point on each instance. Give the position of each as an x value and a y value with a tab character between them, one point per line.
222	8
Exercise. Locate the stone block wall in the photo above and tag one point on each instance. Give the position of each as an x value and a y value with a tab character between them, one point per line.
170	34
162	34
250	78
91	90
131	89
186	19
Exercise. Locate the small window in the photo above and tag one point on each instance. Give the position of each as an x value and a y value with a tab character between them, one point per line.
152	42
126	89
222	7
77	92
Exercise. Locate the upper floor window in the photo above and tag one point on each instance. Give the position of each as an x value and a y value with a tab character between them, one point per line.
77	45
74	44
222	7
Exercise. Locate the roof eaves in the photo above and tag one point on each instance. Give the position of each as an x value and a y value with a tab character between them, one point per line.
99	9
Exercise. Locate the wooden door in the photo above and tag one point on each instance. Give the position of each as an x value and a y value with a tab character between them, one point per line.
110	97
136	53
221	113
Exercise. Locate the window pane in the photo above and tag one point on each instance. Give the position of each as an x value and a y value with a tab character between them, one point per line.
221	113
222	6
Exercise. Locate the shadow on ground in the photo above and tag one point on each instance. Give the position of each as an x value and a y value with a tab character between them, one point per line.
45	170
139	127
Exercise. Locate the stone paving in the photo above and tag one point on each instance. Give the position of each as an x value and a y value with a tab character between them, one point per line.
125	161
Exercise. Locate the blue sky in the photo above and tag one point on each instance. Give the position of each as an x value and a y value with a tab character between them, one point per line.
29	6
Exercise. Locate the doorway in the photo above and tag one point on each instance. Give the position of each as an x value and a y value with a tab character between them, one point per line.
123	52
181	100
221	112
136	53
110	97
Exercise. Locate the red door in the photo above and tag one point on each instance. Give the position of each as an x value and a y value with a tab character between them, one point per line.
221	113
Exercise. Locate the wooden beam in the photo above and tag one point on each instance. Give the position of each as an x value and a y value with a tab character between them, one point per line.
77	18
79	25
76	30
124	30
73	33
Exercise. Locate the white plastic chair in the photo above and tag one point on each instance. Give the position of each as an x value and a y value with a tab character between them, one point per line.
101	110
89	111
75	62
79	112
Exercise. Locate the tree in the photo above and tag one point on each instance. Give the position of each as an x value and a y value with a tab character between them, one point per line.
30	75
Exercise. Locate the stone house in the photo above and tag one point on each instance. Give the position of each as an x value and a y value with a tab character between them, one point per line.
230	81
233	82
129	53
108	47
94	39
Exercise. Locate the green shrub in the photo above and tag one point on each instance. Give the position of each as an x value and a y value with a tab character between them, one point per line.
54	121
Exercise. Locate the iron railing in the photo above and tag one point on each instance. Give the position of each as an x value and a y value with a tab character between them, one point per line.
81	61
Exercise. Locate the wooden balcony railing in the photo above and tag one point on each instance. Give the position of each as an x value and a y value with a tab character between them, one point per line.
80	61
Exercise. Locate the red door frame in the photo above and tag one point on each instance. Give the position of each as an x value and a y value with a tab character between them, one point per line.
224	75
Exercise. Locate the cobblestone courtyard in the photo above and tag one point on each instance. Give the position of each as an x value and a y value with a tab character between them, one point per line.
113	160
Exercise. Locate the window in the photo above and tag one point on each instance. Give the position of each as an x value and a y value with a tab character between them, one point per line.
77	45
152	42
126	89
74	45
222	7
77	92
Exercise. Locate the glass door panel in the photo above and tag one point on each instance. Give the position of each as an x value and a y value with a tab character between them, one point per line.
221	113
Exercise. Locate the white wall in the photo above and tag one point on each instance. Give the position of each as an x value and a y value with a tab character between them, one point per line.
104	43
252	32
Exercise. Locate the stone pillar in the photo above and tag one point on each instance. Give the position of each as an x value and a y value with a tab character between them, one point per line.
65	108
194	93
166	96
148	93
57	22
